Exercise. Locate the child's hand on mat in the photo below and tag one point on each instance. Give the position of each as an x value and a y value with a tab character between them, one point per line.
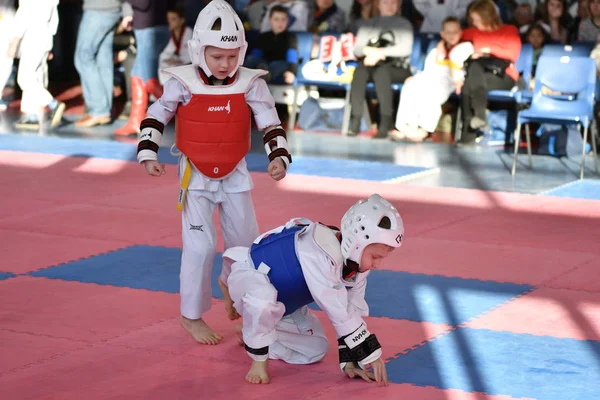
379	371
277	169
352	371
154	168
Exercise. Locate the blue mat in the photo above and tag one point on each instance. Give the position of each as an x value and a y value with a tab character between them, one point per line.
257	162
582	189
397	295
493	362
5	275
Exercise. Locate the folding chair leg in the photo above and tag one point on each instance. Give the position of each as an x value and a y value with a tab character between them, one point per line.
367	114
528	145
458	125
294	113
347	113
517	141
593	134
585	133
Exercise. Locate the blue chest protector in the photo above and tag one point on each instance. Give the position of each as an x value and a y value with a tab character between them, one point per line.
278	252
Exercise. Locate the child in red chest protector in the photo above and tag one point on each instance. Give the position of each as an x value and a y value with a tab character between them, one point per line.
212	100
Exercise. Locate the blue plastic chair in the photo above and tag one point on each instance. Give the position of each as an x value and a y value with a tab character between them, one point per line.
573	75
524	66
576	49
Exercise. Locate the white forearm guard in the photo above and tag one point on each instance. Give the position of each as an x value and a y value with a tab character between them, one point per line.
275	142
151	132
360	346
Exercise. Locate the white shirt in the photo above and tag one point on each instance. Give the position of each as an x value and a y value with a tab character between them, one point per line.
168	54
435	13
263	107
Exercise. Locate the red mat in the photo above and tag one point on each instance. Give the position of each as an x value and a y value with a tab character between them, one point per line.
536	230
30	251
585	276
394	335
23	349
96	222
73	310
547	312
502	263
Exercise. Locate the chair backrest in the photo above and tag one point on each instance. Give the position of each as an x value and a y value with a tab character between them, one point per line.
304	46
427	39
417	59
568	75
432	45
524	63
577	49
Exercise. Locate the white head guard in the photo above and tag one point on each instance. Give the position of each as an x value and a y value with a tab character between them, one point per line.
230	36
365	223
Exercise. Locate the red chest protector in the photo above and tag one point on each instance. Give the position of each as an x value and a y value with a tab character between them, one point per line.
213	129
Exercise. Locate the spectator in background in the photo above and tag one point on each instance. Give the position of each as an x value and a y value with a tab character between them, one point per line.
327	17
556	16
523	15
538	37
176	52
298	13
423	94
589	30
361	11
383	46
435	11
94	58
492	66
580	11
124	54
7	13
256	13
34	27
272	50
151	31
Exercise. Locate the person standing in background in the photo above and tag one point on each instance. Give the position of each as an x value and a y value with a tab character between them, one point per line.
34	27
151	31
7	13
94	58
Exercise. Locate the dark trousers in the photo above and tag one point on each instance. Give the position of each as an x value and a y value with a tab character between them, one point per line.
478	82
382	75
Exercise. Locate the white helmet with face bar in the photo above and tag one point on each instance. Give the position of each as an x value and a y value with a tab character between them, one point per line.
230	36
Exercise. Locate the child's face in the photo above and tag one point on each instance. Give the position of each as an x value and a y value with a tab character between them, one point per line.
536	38
451	33
175	21
221	62
373	255
278	22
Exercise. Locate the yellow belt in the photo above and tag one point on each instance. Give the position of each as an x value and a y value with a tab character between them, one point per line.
185	182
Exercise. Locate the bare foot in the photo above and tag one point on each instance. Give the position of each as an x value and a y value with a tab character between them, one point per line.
200	331
231	312
258	372
239	334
